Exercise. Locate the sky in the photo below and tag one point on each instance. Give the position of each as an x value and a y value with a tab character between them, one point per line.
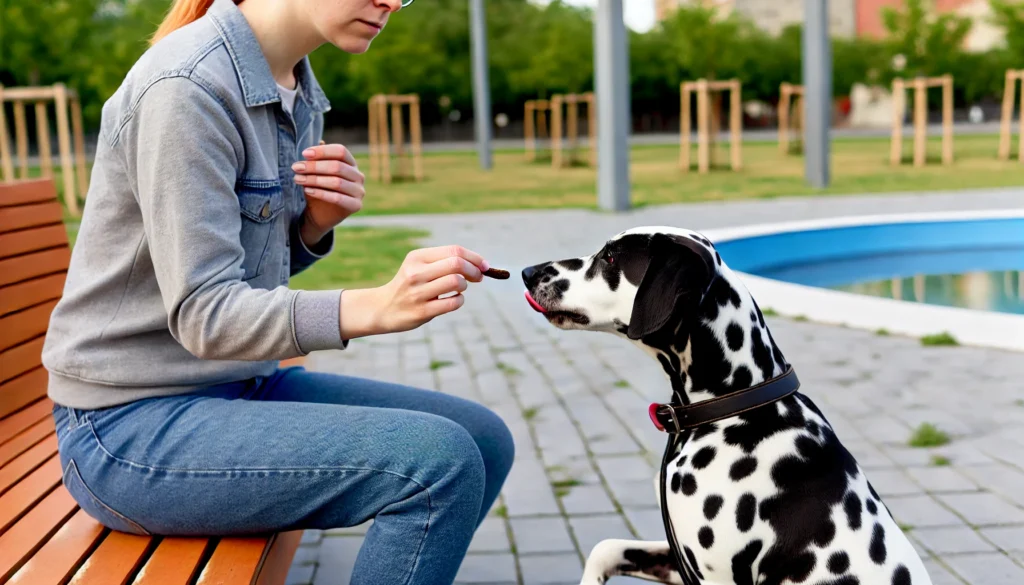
638	14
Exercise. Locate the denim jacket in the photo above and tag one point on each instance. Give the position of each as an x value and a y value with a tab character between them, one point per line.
179	278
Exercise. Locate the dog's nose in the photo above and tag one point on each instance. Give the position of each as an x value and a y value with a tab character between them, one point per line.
528	274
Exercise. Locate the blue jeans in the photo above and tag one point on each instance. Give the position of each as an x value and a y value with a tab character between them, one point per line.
297	450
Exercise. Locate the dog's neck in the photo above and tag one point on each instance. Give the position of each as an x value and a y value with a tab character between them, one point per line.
721	347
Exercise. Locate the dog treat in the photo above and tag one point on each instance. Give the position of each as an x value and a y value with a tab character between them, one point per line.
497	273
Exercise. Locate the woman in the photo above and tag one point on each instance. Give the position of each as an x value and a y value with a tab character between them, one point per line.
210	188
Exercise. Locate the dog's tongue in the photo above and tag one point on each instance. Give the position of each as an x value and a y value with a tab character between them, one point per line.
533	303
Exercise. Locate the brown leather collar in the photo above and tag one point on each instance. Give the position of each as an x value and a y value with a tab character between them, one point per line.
677	418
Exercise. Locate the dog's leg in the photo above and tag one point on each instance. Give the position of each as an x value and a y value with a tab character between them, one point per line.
633	558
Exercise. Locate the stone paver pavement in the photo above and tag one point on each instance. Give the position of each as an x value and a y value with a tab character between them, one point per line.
586	452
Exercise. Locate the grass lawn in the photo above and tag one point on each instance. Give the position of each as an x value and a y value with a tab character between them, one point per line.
454	182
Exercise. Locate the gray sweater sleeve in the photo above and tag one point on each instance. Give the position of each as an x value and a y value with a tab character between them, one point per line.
184	153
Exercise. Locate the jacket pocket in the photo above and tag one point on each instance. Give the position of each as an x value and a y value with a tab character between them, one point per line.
95	507
261	203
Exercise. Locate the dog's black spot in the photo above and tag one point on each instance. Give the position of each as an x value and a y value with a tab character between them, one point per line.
822	469
826	532
745	512
796	569
573	264
839	562
704	457
901	576
689	484
853	510
753	317
560	286
812	427
741	378
718	258
692	559
877	548
734	336
874	494
712	504
706	536
610	271
681	462
656	564
721	292
844	580
677	481
703	431
709	367
760	316
871	506
743	563
742	468
762	356
761	423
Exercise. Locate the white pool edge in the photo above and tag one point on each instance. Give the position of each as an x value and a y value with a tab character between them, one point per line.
967	326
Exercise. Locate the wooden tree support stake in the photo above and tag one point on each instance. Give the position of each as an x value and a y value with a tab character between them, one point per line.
920	111
72	160
702	88
380	145
535	113
1005	130
571	104
787	91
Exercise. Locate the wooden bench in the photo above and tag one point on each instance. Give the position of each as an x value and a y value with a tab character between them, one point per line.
44	537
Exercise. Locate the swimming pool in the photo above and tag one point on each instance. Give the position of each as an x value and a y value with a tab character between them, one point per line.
916	274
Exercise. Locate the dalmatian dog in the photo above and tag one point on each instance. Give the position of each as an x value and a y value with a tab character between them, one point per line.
767	497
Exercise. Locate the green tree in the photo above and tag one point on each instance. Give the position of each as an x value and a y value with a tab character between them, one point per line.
929	42
1009	15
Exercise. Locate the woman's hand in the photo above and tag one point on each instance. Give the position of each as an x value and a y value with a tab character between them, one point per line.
412	297
334	189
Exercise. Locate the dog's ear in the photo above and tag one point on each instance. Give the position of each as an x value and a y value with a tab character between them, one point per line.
679	272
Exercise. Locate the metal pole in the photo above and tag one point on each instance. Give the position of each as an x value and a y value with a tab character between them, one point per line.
611	78
481	82
817	65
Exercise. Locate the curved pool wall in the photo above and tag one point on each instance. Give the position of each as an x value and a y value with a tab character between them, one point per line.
785	266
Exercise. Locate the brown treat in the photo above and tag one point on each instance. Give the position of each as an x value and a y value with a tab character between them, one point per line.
497	273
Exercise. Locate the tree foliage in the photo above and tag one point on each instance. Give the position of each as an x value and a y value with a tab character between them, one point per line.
535	50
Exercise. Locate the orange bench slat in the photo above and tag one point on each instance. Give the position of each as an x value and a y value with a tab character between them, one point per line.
61	556
18	544
174	562
20	498
27	462
31	292
279	558
21	391
25	241
25	440
17	328
28	266
116	560
31	215
27	191
18	360
23	419
234	561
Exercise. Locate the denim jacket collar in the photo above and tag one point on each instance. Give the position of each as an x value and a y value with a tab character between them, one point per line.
258	85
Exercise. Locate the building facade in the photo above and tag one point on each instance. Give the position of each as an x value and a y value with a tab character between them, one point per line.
849	18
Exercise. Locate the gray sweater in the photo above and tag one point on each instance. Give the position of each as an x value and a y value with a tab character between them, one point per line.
179	277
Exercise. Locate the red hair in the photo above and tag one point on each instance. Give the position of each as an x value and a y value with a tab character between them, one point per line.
182	13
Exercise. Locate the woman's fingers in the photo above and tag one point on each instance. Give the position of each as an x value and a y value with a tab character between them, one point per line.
438	307
329	151
304	170
445	267
442	286
346	202
430	255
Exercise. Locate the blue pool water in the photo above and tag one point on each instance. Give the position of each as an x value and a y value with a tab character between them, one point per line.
976	264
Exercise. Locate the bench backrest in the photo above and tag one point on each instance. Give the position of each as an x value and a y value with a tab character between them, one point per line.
34	258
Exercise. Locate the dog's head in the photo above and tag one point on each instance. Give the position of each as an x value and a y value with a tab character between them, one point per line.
639	283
